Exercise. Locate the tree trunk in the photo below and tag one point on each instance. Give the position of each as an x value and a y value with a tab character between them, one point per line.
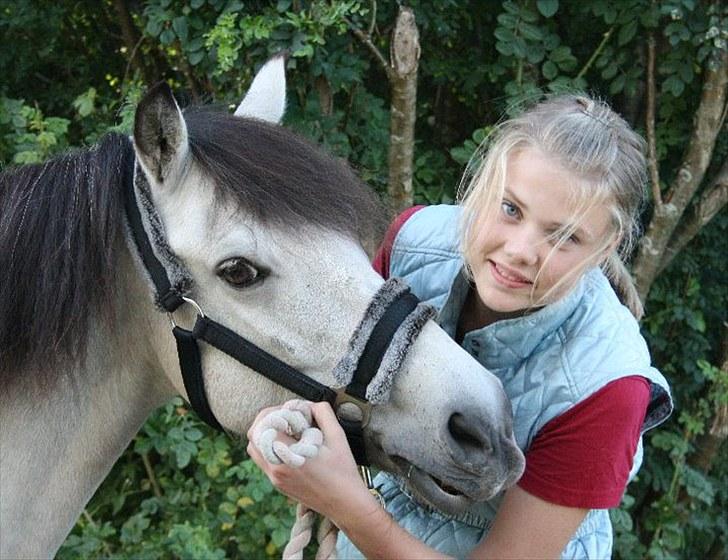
404	60
667	215
401	71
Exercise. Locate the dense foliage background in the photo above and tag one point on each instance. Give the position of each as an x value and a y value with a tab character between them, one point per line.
72	70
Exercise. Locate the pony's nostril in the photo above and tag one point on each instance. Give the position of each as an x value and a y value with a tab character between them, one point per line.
468	435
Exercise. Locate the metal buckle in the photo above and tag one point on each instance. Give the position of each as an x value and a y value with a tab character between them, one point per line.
193	303
366	476
342	398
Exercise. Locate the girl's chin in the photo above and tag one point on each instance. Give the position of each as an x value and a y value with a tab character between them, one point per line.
506	303
505	306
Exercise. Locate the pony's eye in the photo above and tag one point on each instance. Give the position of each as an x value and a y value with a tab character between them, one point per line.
239	272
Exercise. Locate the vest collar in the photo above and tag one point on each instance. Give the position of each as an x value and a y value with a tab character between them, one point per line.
516	338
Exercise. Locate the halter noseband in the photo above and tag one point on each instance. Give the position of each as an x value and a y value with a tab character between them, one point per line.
393	314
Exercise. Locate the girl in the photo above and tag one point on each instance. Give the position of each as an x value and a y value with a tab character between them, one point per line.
518	272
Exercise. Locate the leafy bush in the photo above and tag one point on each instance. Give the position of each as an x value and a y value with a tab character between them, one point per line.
184	491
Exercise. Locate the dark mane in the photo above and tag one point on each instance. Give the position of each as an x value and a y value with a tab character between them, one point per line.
62	221
280	177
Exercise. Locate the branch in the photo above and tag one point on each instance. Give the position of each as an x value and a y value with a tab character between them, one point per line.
692	170
705	130
373	20
650	122
596	53
150	474
131	58
711	202
366	40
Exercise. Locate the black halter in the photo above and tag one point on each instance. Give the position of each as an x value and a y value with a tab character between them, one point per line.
247	353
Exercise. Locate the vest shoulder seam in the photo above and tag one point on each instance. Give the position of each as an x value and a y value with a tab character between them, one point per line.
414	249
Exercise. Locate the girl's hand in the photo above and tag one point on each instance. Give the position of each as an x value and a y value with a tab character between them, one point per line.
328	483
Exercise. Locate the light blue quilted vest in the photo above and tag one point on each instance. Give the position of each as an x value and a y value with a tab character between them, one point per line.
583	342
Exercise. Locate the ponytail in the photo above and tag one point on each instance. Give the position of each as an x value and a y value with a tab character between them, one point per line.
623	284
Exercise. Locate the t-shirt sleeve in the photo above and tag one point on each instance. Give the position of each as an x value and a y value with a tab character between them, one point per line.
582	458
382	257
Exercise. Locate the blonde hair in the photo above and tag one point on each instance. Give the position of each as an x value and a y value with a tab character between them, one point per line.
605	156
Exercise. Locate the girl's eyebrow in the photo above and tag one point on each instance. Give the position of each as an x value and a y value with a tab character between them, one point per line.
510	194
579	232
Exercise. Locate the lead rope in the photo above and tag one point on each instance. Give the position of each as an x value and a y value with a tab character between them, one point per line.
295	420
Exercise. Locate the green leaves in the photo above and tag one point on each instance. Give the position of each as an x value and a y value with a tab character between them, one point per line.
525	41
225	40
547	8
627	32
179	24
550	70
26	136
698	486
463	153
85	103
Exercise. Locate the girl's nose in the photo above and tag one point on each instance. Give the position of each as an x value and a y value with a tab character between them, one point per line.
522	247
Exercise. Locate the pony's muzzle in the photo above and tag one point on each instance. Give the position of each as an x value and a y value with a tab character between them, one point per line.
477	445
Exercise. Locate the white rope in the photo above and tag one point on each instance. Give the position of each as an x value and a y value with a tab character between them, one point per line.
295	420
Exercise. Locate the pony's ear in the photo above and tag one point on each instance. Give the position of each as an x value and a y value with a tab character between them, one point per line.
266	98
160	134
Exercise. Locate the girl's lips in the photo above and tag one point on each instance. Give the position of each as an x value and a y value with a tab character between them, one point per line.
507	278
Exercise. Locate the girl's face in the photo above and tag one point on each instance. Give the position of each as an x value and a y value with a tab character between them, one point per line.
513	250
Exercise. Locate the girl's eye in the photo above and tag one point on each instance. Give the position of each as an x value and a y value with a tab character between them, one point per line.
554	239
510	209
239	272
574	240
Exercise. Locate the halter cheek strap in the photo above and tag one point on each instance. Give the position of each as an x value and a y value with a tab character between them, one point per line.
393	315
190	363
355	392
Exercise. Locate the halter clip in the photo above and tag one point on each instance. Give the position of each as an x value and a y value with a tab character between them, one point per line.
193	303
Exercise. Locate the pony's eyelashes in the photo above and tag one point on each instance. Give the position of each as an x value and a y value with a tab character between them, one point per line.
240	273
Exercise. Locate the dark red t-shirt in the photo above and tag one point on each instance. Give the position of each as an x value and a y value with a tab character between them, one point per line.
581	458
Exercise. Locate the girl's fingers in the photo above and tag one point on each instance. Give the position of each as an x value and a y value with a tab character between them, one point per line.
255	455
325	419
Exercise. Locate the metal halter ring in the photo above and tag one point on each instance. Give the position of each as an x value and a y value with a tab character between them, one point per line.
193	303
364	407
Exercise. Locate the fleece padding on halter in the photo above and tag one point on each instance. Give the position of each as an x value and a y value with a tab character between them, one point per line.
377	391
168	275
